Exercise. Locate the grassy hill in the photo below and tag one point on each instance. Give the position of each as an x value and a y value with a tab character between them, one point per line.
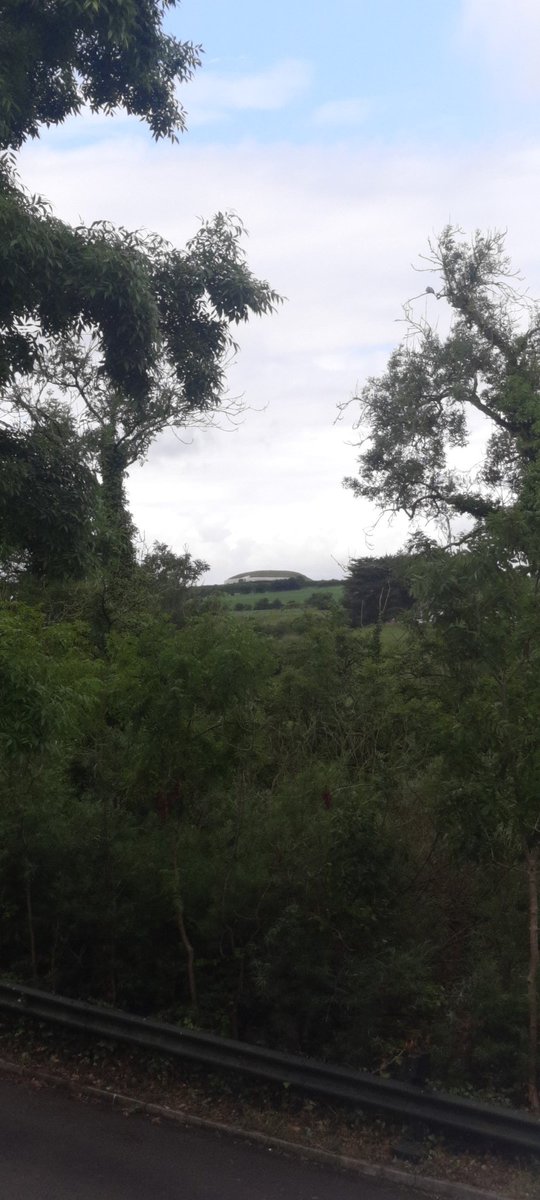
288	599
273	604
266	575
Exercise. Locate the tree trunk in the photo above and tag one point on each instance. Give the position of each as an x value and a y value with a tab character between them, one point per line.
54	952
189	953
179	909
531	857
117	535
110	905
30	922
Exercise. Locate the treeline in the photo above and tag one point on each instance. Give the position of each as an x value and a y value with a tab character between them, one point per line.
201	822
320	600
291	584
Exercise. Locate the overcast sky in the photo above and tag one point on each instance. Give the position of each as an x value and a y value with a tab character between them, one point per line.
344	135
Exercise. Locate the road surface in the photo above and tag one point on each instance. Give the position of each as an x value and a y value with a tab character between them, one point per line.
53	1147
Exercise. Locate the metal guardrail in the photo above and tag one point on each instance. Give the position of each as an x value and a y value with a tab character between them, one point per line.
487	1123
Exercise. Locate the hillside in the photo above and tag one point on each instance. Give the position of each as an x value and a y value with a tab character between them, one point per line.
289	595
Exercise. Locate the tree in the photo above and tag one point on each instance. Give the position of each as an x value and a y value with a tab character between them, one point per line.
153	308
49	686
483	634
131	333
202	292
375	590
196	692
55	57
58	55
419	412
149	304
48	497
170	577
482	647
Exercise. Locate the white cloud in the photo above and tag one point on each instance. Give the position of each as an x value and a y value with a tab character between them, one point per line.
213	96
507	32
343	113
335	230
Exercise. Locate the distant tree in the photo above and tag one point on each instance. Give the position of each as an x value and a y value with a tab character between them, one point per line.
375	590
291	584
319	600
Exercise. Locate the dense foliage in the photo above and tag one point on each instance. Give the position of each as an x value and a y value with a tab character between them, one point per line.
48	498
58	55
480	594
251	832
150	305
161	316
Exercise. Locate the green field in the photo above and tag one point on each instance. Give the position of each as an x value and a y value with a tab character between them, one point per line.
291	598
393	636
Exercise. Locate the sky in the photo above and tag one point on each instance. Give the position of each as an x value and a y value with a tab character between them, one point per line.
344	136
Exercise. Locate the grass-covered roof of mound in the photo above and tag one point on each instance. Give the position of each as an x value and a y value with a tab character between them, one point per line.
267	575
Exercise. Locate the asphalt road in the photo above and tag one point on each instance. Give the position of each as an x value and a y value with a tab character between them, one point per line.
53	1147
